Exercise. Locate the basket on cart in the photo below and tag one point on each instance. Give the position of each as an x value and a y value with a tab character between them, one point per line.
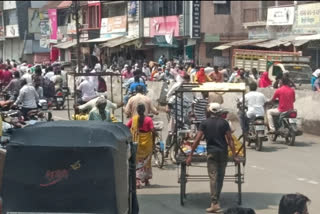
200	153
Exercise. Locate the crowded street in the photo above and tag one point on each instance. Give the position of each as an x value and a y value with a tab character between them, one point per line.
151	107
269	175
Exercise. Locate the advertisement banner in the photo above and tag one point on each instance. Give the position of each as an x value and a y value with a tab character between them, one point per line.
44	42
195	30
71	28
164	26
12	31
117	24
34	20
2	35
280	16
8	5
307	20
52	13
45	28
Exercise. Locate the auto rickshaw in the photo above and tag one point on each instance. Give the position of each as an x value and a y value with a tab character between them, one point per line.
70	167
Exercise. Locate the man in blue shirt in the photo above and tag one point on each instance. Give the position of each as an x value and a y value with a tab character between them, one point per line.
137	82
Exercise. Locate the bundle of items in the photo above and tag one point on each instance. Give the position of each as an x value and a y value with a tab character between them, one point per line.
237	146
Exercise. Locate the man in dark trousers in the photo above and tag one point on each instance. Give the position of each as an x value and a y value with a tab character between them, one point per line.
217	133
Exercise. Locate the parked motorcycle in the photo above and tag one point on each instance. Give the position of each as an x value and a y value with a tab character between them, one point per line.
256	133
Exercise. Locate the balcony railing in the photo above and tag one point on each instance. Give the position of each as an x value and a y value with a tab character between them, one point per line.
255	15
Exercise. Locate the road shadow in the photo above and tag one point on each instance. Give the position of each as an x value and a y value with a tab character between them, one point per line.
268	148
201	201
298	143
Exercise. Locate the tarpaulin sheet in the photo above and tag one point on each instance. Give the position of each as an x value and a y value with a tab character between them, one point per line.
67	166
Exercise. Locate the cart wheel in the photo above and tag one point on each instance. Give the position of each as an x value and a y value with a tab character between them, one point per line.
239	184
183	181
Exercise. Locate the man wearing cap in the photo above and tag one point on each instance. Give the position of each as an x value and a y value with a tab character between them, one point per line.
91	104
217	133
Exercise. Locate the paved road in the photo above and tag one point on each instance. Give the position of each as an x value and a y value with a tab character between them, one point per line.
277	170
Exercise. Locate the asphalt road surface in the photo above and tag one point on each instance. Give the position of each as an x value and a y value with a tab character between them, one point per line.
277	170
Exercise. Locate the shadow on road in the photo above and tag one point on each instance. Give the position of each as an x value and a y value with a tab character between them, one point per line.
200	201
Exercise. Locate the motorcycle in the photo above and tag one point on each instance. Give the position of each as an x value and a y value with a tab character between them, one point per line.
256	133
286	125
59	99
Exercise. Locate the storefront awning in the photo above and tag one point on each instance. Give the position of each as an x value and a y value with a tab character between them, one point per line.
309	37
239	43
69	44
118	41
222	47
64	4
97	40
161	41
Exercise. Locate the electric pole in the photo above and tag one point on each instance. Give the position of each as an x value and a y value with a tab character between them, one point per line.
75	12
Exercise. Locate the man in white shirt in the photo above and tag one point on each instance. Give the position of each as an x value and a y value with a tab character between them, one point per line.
208	69
146	70
255	102
50	73
28	97
28	77
234	74
87	90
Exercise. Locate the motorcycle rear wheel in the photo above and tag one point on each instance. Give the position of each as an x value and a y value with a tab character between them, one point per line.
290	140
259	144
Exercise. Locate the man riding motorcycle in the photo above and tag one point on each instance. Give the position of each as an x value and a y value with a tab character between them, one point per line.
255	102
28	97
286	96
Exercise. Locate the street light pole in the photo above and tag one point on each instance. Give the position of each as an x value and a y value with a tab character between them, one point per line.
76	8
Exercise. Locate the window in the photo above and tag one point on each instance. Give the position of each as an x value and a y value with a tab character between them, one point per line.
162	8
62	16
111	10
10	17
94	16
222	9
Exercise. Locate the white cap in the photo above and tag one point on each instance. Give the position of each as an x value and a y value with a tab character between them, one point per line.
214	107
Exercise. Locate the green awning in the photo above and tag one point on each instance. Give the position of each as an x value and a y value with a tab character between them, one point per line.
162	42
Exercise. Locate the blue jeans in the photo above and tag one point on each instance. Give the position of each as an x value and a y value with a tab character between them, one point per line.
313	79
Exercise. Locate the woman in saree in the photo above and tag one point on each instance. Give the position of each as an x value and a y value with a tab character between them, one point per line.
142	131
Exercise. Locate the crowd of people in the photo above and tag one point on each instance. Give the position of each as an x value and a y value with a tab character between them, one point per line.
26	84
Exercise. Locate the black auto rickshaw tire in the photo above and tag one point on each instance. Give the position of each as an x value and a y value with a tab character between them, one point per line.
239	181
259	142
183	183
290	140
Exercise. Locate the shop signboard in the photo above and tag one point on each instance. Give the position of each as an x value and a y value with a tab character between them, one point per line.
52	13
2	35
164	25
307	20
8	5
41	58
146	27
12	31
117	24
280	16
196	15
34	20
